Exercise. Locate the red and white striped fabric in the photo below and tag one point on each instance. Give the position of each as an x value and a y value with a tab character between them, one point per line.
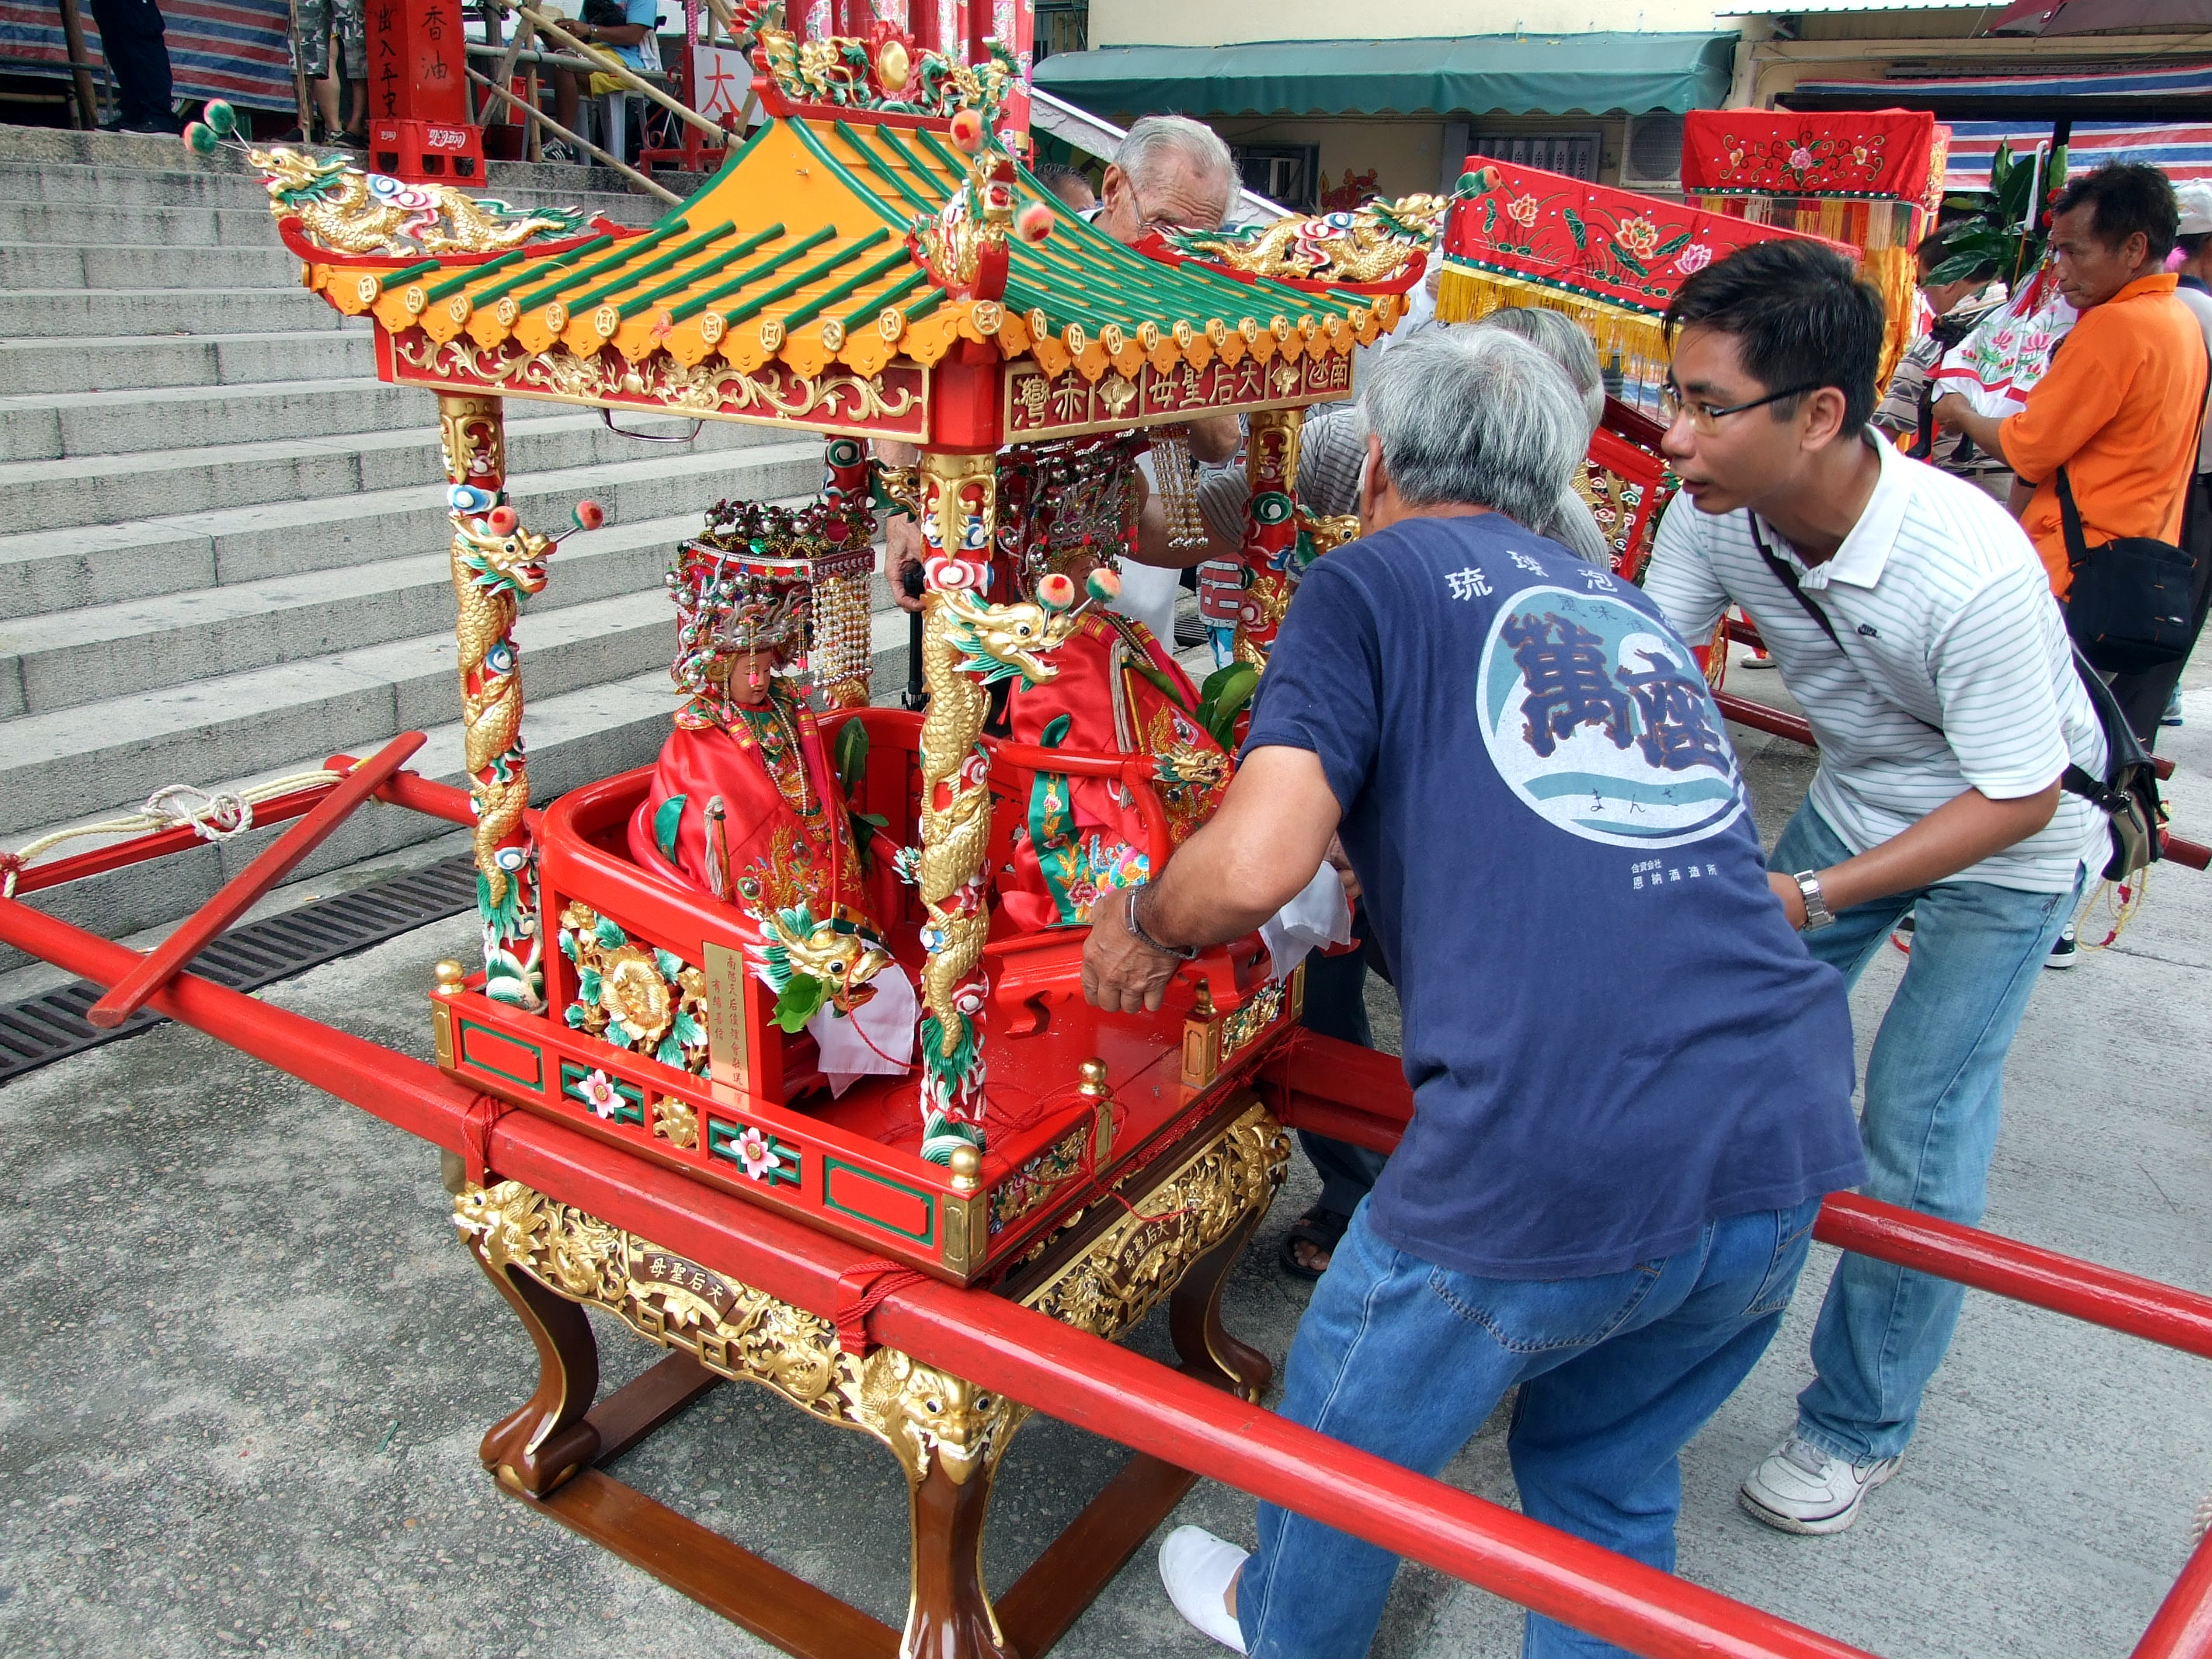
235	49
2183	151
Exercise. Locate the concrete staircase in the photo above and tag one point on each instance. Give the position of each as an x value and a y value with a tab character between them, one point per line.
222	540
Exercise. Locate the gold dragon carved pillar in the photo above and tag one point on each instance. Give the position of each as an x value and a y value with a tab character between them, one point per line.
496	564
967	643
1270	530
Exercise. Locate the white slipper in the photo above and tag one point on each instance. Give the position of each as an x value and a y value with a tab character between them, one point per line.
1197	1568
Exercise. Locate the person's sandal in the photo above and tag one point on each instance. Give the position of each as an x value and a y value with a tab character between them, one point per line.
1321	1229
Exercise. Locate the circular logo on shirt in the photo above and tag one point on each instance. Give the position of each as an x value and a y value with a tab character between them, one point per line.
1601	722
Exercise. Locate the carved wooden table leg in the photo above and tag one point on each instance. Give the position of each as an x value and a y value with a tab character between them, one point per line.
1208	1352
538	1446
949	1615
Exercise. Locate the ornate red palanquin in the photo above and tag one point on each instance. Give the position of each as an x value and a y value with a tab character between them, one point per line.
758	1119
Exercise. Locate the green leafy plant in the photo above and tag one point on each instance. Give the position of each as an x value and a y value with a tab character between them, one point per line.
2005	228
796	1004
1220	700
1223	697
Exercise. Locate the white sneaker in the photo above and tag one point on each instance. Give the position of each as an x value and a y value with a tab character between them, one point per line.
2065	951
1802	1489
1197	1568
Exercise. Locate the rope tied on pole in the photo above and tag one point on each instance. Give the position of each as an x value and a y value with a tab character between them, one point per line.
212	815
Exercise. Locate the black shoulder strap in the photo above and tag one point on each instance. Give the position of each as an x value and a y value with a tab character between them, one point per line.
1788	578
2069	516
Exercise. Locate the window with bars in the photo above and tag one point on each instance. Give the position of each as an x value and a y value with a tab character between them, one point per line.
1574	154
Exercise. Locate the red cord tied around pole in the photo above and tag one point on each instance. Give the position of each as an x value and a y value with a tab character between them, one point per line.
484	1113
862	1289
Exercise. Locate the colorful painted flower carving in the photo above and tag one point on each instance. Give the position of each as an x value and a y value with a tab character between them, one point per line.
598	1090
636	996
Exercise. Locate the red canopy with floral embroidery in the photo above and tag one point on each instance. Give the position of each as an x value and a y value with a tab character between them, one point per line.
1892	153
1588	239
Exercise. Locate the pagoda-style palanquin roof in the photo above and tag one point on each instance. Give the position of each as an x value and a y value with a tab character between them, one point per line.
791	290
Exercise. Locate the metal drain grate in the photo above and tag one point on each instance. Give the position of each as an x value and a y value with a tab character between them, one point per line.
43	1029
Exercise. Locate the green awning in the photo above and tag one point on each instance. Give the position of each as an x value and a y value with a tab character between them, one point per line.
1592	74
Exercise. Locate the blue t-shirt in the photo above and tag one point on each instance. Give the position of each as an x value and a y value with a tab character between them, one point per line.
1613	1034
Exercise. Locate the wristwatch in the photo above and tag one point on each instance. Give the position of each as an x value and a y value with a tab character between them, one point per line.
1817	914
1137	931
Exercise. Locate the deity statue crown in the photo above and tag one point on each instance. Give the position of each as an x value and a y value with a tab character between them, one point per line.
748	582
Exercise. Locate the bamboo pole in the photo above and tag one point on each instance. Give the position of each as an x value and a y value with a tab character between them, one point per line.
624	73
540	117
88	101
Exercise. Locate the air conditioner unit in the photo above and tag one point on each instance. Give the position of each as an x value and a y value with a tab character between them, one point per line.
1651	159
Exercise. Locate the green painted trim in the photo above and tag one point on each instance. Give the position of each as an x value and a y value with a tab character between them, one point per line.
877	166
622	256
831	1165
573	1074
815	308
814	272
890	140
462	1048
720	1133
631	276
890	215
406	274
544	269
921	307
468	274
636	303
867	314
774	261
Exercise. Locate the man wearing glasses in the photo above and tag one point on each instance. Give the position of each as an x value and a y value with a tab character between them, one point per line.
1912	621
1168	172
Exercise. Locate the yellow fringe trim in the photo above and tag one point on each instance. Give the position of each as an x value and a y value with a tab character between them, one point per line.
1630	339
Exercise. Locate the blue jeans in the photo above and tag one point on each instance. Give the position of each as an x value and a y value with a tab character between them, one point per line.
1929	1123
1405	1360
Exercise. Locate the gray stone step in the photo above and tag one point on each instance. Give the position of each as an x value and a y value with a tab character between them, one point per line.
263	262
120	748
73	184
121	363
132	422
44	313
24	149
575	737
53	767
56	570
95	489
60	661
34	222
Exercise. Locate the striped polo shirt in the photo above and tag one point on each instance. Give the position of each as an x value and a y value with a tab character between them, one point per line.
1953	669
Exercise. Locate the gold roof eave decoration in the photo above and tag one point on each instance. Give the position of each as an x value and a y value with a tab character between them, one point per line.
799	253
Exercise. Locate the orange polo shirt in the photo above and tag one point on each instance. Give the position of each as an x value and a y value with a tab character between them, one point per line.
2121	409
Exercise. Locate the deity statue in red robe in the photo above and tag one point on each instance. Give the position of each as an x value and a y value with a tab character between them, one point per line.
745	803
1066	510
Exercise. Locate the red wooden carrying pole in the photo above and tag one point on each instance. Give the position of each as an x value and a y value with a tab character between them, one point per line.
1990	1261
2182	1627
402	1091
242	892
1084	1380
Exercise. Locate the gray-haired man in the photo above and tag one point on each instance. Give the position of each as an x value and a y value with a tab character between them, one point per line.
1531	780
1168	172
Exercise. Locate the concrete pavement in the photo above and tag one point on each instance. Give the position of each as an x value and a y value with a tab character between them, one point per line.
244	1366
